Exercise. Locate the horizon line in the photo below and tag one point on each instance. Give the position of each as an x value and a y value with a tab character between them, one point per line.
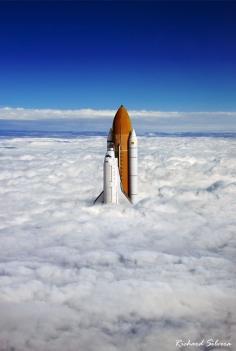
22	113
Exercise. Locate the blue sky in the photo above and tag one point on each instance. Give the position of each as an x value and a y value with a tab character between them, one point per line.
174	56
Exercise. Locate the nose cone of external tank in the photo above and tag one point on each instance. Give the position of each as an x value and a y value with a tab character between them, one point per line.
122	123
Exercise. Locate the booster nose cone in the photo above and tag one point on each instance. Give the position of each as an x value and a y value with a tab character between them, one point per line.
133	138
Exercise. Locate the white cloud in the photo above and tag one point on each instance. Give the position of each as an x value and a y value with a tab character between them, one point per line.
19	113
74	276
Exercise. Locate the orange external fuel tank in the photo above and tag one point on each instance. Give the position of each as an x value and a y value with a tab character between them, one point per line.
121	130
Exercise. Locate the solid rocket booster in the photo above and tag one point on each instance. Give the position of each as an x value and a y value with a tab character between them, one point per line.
133	167
110	178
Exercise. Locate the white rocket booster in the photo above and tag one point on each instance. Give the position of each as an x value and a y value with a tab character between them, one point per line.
133	166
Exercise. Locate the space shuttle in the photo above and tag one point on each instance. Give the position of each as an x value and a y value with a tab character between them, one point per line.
120	168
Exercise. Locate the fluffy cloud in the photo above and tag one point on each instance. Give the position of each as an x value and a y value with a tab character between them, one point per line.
74	276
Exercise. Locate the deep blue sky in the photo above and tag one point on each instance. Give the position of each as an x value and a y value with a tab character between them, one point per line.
150	55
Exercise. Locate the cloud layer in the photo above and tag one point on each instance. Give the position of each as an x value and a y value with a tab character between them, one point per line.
74	276
34	114
20	119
